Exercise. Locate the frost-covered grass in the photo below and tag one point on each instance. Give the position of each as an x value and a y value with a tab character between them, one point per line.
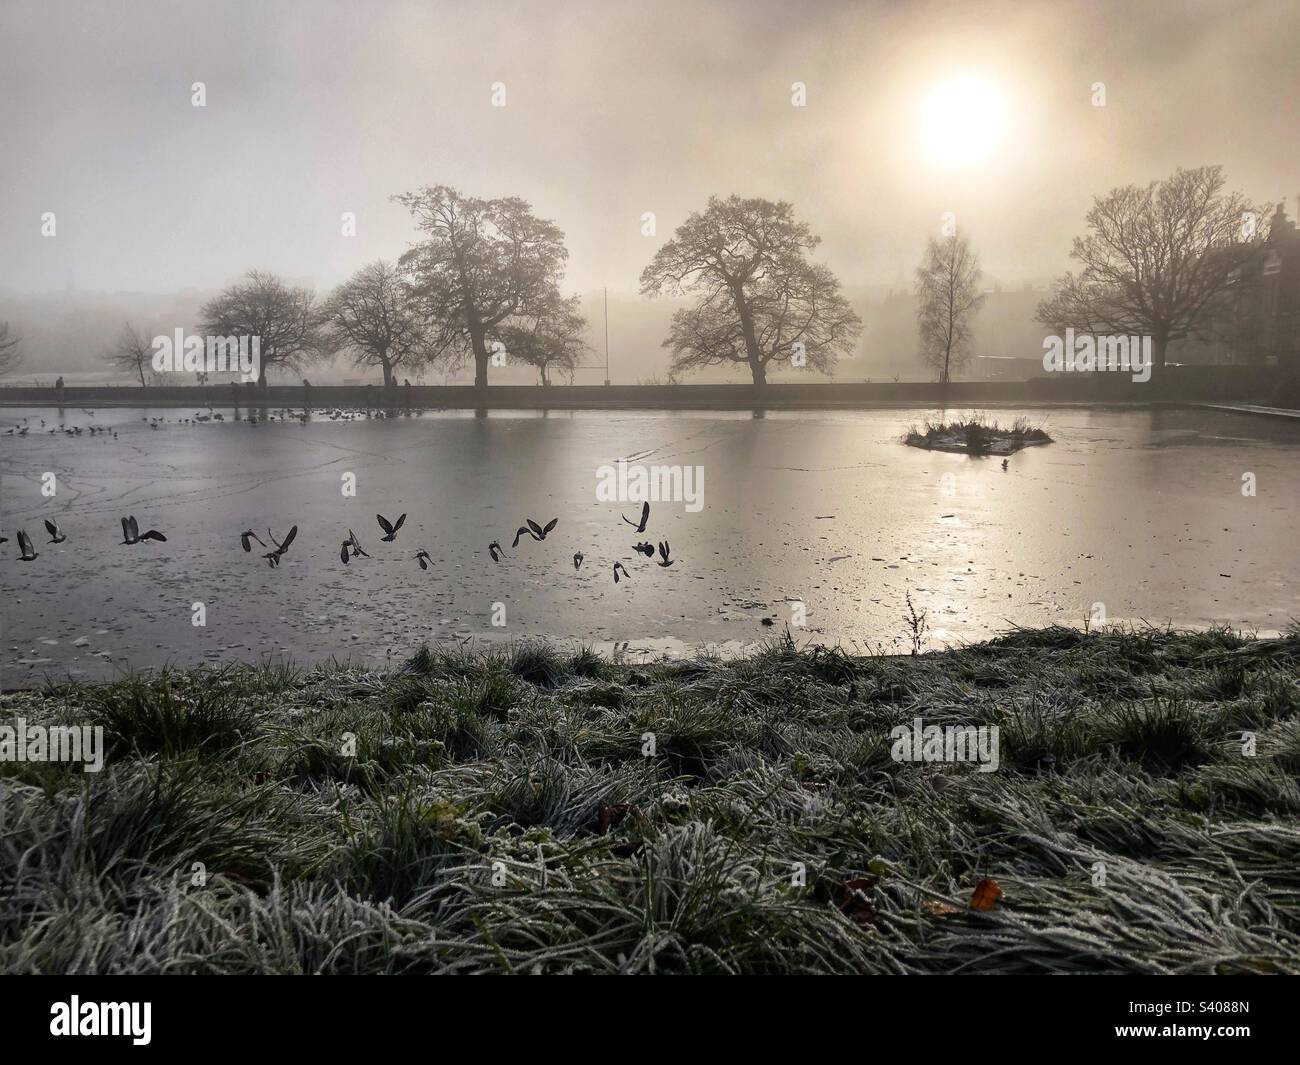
499	814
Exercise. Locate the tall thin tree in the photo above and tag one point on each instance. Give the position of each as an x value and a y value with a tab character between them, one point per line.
948	297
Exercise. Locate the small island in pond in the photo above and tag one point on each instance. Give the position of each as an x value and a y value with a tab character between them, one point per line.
976	436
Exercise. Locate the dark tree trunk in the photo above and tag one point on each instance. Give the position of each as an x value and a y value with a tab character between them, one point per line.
1159	345
756	366
478	341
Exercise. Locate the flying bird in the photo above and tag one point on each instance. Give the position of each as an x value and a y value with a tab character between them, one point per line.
389	528
646	549
281	546
537	532
617	567
494	548
247	535
57	536
577	560
25	546
354	545
131	533
645	517
422	556
665	561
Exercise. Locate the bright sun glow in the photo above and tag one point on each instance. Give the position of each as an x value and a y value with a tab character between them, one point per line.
962	121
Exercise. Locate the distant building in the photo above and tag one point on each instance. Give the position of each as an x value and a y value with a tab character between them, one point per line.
1261	323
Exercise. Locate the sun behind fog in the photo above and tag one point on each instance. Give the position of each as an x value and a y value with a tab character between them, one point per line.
962	121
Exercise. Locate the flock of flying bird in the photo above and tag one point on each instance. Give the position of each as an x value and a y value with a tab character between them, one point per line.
351	547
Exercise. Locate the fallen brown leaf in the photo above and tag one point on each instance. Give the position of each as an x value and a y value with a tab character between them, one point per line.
986	895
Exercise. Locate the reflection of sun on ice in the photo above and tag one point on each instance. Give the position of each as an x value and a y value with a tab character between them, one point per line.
962	121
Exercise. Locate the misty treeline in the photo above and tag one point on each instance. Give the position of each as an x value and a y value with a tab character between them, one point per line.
1158	260
482	285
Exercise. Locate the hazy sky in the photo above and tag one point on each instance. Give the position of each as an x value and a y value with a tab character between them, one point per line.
612	109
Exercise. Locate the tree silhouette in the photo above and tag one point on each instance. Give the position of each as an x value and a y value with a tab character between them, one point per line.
948	297
131	353
552	340
282	316
482	262
373	318
1157	261
760	300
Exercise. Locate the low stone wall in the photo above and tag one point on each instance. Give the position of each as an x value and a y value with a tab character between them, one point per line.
1180	383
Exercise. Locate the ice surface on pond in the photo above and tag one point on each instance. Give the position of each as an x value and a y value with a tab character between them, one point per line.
821	521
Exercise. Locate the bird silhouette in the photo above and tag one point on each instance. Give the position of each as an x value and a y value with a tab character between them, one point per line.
247	535
664	560
25	546
1004	464
618	566
645	517
390	529
131	533
57	535
537	532
422	556
352	548
495	549
577	560
645	549
281	546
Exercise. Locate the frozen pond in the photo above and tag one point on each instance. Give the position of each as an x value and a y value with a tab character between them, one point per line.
1142	511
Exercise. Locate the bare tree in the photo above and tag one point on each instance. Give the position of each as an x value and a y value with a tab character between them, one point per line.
948	297
131	353
554	339
1157	260
760	300
11	352
483	262
263	306
374	319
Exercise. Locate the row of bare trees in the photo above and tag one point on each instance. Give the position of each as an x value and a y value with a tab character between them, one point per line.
1158	260
483	285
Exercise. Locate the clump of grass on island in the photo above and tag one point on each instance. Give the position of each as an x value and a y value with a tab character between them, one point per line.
495	811
977	435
